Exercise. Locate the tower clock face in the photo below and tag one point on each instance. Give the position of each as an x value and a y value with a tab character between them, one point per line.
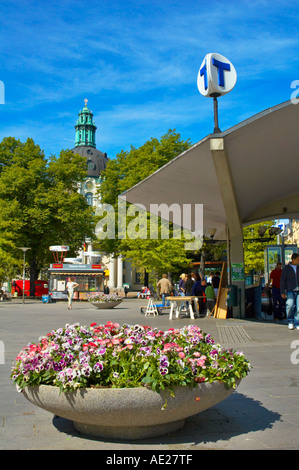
90	165
89	184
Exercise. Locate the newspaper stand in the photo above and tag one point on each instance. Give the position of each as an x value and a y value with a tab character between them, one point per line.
89	277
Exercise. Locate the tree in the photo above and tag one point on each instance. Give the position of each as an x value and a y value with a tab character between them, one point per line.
254	248
40	204
126	170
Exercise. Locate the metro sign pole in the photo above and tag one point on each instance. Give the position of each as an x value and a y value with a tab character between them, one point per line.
216	77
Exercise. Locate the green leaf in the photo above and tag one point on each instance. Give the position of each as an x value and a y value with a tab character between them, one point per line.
147	380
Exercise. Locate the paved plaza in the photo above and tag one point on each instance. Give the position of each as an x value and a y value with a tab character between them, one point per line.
263	413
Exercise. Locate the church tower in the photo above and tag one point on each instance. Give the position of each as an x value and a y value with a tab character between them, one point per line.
85	128
96	161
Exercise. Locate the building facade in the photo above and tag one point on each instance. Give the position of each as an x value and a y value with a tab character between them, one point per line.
96	161
293	232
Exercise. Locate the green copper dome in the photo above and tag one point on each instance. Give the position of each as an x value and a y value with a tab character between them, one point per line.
85	143
85	128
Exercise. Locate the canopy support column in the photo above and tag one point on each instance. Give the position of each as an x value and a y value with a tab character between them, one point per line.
229	199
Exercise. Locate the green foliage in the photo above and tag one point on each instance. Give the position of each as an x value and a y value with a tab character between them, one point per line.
128	169
39	204
254	250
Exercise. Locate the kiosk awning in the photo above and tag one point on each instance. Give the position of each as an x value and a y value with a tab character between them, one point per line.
76	268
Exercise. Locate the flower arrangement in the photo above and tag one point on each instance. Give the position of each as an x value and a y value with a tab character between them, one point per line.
126	356
101	297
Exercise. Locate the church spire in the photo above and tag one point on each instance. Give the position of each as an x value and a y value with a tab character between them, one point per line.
85	128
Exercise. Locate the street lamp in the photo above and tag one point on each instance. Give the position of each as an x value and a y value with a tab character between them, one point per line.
24	249
261	231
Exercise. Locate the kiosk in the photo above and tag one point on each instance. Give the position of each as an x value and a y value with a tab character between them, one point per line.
90	278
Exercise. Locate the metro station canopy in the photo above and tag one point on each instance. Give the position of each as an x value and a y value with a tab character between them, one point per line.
255	173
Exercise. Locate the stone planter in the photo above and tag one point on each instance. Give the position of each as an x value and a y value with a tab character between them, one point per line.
105	305
127	413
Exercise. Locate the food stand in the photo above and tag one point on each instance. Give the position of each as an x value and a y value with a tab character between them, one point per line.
90	278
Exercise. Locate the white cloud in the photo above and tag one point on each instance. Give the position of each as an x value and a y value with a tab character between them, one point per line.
137	62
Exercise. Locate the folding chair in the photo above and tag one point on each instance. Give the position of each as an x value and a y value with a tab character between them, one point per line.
151	308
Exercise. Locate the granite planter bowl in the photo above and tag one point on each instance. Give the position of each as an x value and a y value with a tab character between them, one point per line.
127	413
105	305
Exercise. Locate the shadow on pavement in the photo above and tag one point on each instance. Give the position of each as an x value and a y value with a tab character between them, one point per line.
236	416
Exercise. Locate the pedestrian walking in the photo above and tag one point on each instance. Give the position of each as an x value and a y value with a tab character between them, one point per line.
189	282
210	295
182	284
198	290
216	282
188	285
275	277
165	287
71	285
289	287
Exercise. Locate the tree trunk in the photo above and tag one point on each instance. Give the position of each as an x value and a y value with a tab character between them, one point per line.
145	278
33	276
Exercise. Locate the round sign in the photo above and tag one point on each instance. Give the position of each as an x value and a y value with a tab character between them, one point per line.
59	248
217	75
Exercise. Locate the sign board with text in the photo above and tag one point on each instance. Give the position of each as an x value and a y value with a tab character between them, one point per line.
237	272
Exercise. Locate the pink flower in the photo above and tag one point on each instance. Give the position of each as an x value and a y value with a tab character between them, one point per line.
201	361
169	346
116	340
199	379
111	325
181	355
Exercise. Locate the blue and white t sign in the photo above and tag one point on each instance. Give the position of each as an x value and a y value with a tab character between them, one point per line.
217	75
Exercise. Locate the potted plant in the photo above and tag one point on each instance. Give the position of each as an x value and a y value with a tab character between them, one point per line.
127	381
104	301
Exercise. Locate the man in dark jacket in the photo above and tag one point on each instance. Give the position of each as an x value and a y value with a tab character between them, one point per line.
289	288
275	276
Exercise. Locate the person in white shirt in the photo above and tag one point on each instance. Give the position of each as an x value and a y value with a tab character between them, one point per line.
70	291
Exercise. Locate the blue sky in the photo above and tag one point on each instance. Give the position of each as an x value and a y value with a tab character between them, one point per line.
137	63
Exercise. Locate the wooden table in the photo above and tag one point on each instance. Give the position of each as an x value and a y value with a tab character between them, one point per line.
176	303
